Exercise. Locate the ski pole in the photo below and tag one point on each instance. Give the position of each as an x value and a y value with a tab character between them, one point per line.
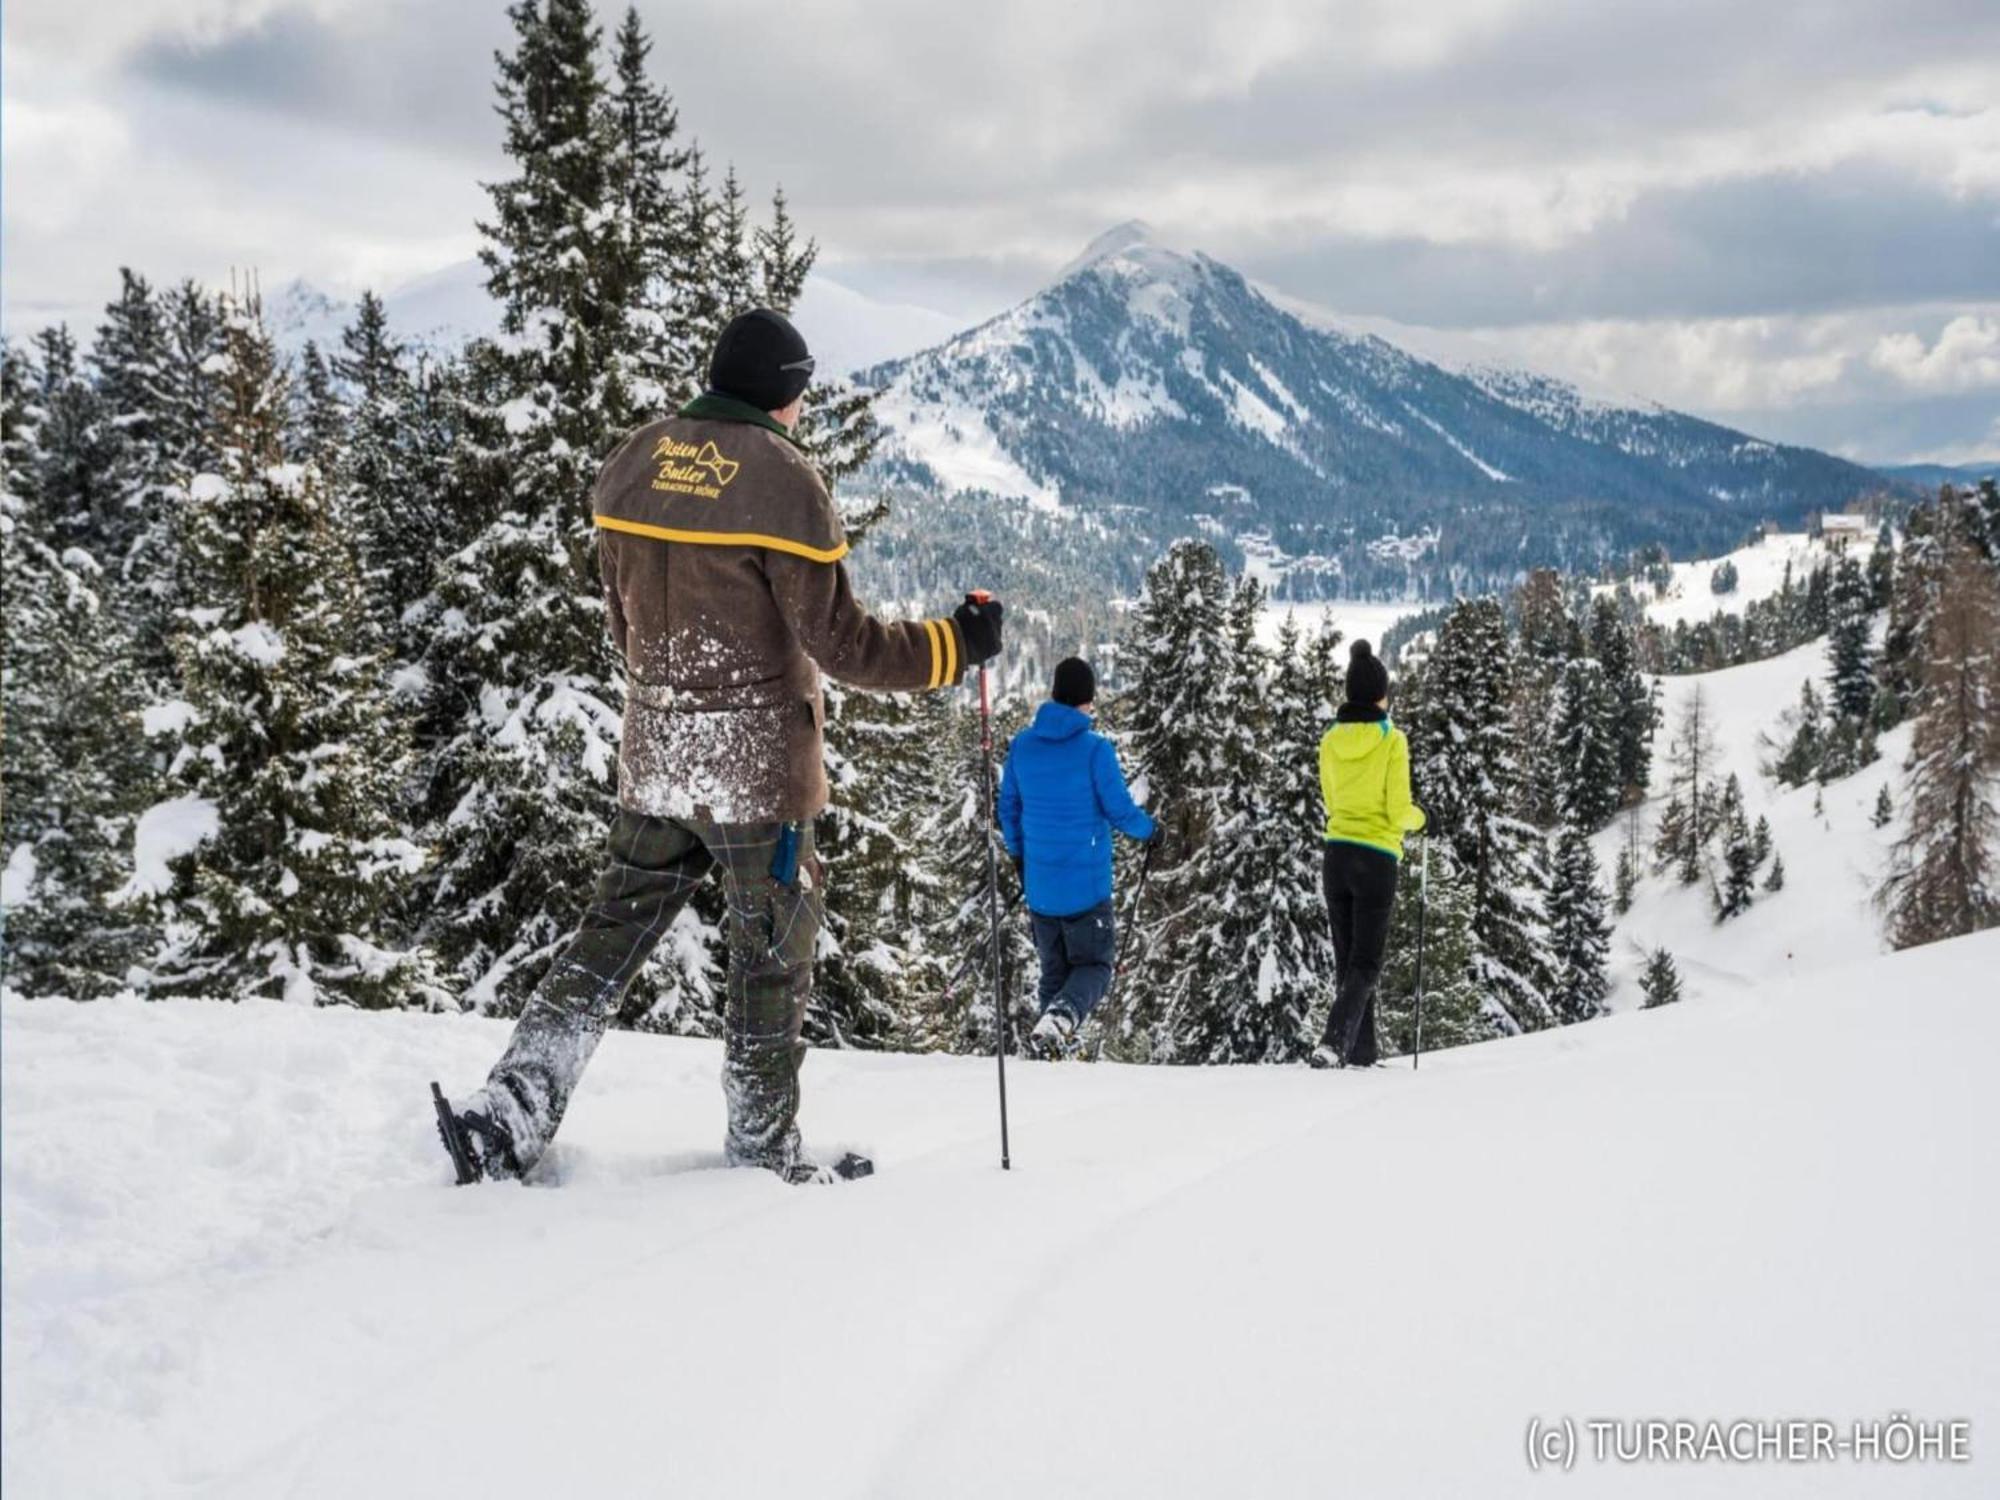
980	596
1423	899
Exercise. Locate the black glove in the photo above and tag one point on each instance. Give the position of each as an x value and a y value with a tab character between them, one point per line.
1158	836
979	626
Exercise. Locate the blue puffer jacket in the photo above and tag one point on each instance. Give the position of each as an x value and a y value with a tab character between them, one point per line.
1060	796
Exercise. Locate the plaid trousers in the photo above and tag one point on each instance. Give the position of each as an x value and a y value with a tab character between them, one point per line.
654	866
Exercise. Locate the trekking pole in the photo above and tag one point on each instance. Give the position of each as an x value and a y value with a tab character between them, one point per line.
980	596
1125	937
1423	898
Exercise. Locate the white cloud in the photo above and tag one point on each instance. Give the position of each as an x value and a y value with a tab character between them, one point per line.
1964	357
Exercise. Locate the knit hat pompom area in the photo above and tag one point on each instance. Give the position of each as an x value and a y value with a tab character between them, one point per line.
1367	678
762	359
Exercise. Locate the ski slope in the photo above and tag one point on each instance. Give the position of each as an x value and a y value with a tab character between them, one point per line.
234	1267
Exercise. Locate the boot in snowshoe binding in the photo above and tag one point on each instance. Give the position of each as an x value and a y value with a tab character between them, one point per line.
849	1168
479	1147
1054	1035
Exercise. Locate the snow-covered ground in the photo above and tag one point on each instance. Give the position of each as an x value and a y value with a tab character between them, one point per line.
1834	860
235	1268
1760	569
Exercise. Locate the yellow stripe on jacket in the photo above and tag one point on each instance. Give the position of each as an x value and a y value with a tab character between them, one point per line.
1364	778
937	652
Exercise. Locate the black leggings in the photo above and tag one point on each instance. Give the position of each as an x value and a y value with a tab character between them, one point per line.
1360	893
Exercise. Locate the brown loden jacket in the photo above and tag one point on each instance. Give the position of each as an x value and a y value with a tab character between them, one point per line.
721	555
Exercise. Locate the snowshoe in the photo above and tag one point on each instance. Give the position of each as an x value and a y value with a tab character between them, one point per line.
478	1145
1054	1035
1324	1056
850	1168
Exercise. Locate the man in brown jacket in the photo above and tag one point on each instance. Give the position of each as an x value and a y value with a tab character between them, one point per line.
721	554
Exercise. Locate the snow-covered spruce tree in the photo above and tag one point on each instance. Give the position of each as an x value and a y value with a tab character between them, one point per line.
1468	773
1885	809
1850	678
1660	982
783	260
1941	882
1583	754
184	441
735	257
1304	685
131	359
1737	885
1547	639
1579	936
1176	654
1760	839
528	778
1244	968
1634	703
1804	744
1775	881
1624	880
284	734
316	433
387	493
662	263
75	769
1881	568
699	310
71	480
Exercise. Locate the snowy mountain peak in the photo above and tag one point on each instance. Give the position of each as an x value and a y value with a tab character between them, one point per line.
1134	240
1146	379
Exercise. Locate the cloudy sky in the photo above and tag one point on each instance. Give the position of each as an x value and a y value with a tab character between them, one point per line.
1785	215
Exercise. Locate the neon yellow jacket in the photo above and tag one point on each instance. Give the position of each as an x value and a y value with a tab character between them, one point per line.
1364	775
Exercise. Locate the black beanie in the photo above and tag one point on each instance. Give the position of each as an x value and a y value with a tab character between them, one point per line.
1367	678
761	359
1075	683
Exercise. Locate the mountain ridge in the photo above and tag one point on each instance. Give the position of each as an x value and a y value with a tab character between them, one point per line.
1153	379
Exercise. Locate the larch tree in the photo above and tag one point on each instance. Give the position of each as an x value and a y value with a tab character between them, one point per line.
1942	882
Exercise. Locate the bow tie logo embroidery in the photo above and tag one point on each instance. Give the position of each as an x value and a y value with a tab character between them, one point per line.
711	459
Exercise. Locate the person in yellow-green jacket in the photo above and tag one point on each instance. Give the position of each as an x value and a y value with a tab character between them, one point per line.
1364	776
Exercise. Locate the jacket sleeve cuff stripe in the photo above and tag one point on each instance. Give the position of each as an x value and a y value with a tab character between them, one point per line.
950	633
937	653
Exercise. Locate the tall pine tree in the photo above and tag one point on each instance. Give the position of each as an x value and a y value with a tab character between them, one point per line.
284	734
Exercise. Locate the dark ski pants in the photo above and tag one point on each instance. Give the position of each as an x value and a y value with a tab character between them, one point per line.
1360	893
1076	954
654	866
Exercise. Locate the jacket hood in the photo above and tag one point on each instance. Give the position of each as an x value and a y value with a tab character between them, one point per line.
1058	721
1356	739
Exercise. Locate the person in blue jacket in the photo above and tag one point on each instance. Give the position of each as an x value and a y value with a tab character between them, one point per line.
1060	796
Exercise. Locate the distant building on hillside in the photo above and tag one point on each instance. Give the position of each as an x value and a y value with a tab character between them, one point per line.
1841	527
